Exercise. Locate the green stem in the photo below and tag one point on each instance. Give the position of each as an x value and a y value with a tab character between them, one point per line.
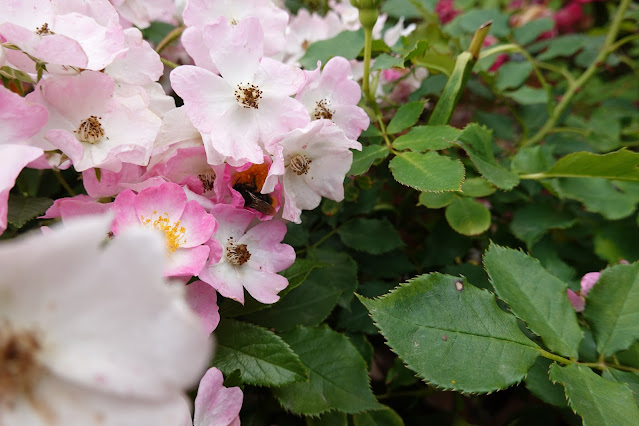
169	63
169	38
599	365
583	78
623	41
64	183
554	357
368	47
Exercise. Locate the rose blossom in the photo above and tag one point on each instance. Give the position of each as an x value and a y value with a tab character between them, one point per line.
250	259
87	346
185	224
312	163
250	103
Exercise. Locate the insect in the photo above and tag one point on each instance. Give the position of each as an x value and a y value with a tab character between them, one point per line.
249	184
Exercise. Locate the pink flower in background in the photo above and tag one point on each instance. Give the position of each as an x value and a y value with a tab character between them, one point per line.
273	20
250	103
306	28
68	33
216	405
185	225
332	94
142	12
588	281
92	340
312	163
250	259
92	126
446	11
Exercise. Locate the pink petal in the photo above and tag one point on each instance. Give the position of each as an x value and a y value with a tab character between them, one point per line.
168	199
13	158
186	262
202	298
576	301
236	50
588	281
198	224
207	97
216	405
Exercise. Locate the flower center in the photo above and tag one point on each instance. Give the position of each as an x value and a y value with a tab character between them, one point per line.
19	366
90	130
44	30
236	254
322	111
248	95
208	180
175	234
300	164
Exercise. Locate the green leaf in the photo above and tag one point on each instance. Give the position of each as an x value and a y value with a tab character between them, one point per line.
263	358
453	90
23	209
598	401
406	116
362	160
436	200
612	308
630	356
355	319
347	44
538	382
384	417
477	187
532	221
332	418
535	296
337	375
512	75
386	61
435	62
157	31
529	32
315	298
618	165
630	379
427	172
467	216
566	45
373	236
615	241
423	138
453	334
296	275
599	196
478	142
527	95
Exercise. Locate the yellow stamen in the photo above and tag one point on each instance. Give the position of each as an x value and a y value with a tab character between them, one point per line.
175	234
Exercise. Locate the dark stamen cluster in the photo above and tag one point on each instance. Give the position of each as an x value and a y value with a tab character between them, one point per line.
322	111
248	95
90	130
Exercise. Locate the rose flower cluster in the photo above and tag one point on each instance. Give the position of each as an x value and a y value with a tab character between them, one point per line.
90	331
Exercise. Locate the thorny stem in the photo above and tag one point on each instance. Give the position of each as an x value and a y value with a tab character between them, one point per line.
169	38
583	78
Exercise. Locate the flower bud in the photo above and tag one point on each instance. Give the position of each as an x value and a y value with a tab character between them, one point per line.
367	12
